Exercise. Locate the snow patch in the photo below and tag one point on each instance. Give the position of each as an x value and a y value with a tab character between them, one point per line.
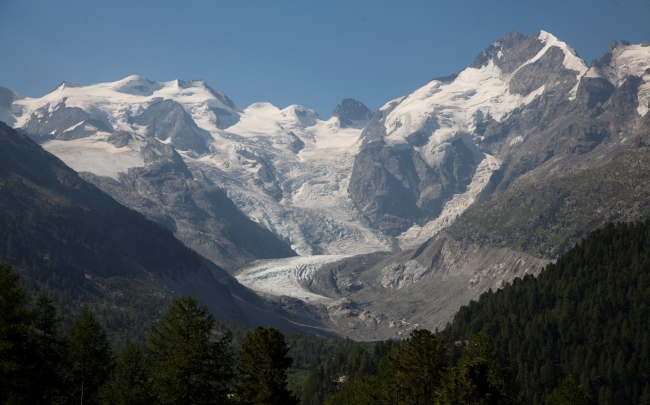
644	96
94	155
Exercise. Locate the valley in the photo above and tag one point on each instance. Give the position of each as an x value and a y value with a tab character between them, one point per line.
364	224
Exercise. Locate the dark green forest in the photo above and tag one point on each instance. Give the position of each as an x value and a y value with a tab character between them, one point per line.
184	359
586	317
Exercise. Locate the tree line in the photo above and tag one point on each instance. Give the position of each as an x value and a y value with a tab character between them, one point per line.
184	360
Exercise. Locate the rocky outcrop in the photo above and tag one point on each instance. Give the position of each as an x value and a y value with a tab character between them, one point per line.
6	98
62	122
352	113
396	187
167	120
120	139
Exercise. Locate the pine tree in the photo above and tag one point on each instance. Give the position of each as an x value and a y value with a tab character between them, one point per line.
479	378
88	360
262	368
131	383
15	336
568	393
416	370
189	364
48	349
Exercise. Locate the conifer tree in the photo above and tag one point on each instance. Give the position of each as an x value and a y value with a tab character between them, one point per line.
131	383
88	362
568	393
479	378
416	370
262	368
15	336
48	348
189	364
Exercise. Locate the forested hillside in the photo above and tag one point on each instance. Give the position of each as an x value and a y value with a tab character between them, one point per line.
585	317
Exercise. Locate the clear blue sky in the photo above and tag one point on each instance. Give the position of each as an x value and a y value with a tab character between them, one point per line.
308	52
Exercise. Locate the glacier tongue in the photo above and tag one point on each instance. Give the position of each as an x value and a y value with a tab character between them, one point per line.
284	276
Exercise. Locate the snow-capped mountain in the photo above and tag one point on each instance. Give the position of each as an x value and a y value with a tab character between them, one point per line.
526	114
287	169
526	110
427	156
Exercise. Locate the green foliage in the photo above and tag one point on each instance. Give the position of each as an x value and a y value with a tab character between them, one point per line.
333	361
131	383
414	372
88	360
15	338
479	378
584	316
189	363
365	390
48	350
568	393
262	368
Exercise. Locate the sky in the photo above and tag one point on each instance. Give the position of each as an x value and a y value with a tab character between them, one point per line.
309	52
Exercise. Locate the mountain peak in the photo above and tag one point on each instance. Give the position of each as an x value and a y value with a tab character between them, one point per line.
509	52
136	85
352	113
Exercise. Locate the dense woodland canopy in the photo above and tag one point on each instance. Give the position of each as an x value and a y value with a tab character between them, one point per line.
585	317
578	333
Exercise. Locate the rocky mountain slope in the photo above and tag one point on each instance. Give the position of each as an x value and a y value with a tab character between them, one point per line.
64	234
189	204
527	108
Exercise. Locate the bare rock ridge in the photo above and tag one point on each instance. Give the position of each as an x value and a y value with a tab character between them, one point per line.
352	113
167	120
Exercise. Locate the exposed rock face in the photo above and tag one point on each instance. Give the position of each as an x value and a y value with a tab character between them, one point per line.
120	139
419	288
265	172
527	101
168	120
199	213
61	122
396	188
510	52
352	113
6	98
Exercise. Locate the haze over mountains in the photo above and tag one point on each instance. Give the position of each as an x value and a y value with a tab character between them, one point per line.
527	121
